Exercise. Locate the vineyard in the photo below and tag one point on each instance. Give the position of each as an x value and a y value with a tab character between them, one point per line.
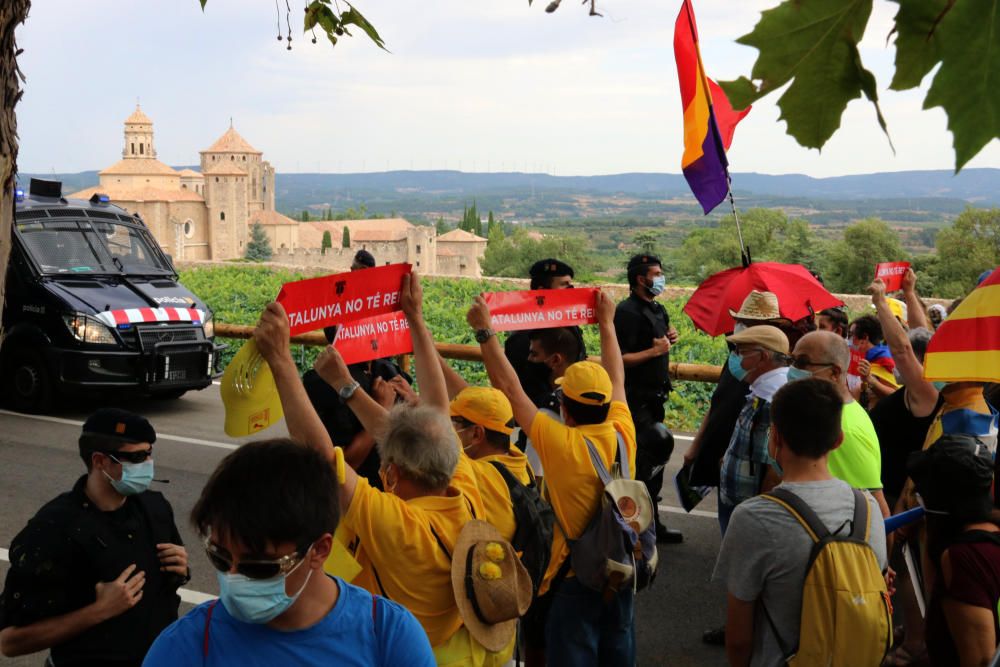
238	294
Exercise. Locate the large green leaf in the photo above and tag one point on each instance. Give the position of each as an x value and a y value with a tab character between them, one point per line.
917	48
813	44
967	86
353	16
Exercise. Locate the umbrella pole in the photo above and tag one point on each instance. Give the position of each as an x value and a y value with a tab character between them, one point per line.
744	252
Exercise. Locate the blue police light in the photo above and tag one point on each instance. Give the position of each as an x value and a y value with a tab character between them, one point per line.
104	199
19	195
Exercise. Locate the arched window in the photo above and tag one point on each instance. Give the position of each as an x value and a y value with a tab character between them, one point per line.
216	179
140	149
133	148
244	158
222	215
232	157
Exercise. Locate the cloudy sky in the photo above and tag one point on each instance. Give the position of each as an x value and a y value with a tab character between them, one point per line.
472	85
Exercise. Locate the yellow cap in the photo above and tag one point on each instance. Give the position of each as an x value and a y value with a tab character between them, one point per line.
249	393
484	406
586	382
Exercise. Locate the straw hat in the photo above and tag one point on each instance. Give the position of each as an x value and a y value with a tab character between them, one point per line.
758	306
492	587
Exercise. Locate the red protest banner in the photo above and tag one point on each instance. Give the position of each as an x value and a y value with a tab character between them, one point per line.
891	273
856	357
321	302
375	337
542	309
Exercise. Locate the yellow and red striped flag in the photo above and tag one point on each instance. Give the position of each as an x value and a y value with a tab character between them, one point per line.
966	347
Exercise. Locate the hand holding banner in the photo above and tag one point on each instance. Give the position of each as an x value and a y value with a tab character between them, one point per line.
342	297
542	309
891	273
856	357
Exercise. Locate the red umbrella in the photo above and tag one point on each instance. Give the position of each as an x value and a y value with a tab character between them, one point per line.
797	291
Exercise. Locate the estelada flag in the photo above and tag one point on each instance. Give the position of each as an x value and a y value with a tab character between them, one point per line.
386	335
966	347
542	308
315	303
891	273
709	119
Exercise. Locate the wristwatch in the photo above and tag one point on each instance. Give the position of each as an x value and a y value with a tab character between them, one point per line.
347	391
483	335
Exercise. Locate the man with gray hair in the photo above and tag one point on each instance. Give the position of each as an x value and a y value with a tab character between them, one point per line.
825	355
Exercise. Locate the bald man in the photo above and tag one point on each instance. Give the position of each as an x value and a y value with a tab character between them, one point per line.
858	460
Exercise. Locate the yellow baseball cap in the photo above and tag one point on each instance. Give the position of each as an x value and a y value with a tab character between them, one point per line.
484	406
249	393
586	382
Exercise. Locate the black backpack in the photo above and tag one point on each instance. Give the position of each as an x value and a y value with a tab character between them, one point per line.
535	518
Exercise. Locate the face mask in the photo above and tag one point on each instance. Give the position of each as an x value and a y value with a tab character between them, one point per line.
734	366
135	478
797	373
939	385
257	600
739	327
659	282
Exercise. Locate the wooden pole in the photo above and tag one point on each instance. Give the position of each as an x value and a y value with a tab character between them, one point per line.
678	371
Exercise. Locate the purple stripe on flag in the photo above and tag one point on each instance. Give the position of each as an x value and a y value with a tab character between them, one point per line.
707	175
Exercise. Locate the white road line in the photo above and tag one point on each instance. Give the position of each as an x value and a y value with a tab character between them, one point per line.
187	595
164	436
686	438
680	510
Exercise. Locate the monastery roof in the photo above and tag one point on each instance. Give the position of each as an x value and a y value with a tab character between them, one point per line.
189	173
231	142
139	166
120	195
225	168
139	117
270	218
460	236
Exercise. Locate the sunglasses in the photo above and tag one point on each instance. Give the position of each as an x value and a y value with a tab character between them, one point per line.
119	456
252	569
804	362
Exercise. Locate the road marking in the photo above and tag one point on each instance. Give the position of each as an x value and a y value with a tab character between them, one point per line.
187	595
680	510
162	436
686	438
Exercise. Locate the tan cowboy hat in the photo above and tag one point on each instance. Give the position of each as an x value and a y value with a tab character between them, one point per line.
492	587
758	306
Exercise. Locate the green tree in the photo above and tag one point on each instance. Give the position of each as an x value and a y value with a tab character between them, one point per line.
305	216
259	247
512	256
441	226
851	264
647	241
967	248
327	241
345	238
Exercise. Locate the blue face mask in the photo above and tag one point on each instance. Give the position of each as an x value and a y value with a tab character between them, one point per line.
659	283
797	373
734	366
939	385
135	478
257	601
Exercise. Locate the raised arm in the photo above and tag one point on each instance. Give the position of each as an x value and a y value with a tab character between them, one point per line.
923	396
916	317
272	340
433	391
611	353
501	373
454	382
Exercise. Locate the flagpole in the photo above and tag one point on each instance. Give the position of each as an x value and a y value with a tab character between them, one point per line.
744	253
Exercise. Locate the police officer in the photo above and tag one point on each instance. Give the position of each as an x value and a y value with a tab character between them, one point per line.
645	337
94	575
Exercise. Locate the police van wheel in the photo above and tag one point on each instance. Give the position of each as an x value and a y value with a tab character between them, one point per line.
28	384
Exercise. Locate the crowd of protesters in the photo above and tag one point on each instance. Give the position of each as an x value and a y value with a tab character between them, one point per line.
518	521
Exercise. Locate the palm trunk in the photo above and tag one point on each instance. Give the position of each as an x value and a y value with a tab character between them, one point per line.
12	14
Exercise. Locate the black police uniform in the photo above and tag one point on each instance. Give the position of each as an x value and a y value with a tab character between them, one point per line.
535	377
67	548
340	421
637	323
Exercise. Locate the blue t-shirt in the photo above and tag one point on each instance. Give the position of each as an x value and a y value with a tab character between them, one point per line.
345	636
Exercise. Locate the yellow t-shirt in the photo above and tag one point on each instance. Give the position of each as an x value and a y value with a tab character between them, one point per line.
492	490
400	557
573	486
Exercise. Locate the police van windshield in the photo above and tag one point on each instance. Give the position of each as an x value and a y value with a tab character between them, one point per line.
89	247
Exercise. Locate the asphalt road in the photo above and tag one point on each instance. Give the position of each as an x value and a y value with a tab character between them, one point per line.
39	460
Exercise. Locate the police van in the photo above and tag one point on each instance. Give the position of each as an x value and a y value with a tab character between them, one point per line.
93	303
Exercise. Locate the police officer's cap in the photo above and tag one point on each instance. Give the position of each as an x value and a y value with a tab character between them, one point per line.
642	261
550	268
364	258
120	424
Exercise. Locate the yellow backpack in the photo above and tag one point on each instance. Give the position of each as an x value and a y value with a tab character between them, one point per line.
846	618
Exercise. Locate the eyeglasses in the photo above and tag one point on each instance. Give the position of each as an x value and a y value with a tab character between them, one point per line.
119	456
804	362
254	569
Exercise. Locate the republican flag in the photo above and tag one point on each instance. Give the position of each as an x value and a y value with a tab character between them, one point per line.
708	127
967	345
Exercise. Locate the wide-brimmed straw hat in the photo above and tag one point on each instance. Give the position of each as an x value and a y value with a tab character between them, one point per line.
492	587
758	307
